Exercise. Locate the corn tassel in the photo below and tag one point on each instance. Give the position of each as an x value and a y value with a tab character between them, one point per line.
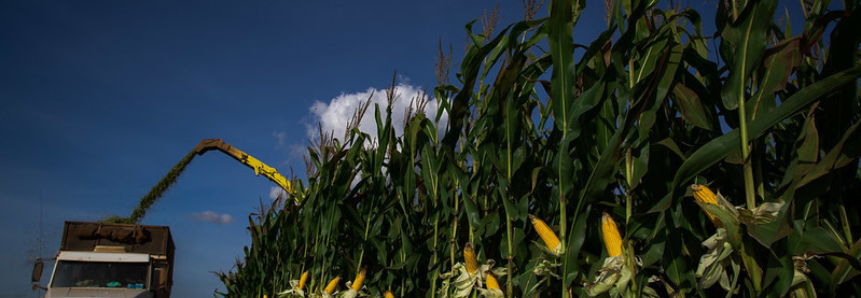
703	194
612	239
357	283
546	234
302	280
389	294
492	283
469	259
330	288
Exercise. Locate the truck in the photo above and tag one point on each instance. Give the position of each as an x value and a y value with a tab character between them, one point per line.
111	260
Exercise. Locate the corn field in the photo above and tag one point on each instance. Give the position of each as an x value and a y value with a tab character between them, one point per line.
656	160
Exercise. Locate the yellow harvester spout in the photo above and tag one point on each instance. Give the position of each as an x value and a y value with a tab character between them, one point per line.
258	166
156	192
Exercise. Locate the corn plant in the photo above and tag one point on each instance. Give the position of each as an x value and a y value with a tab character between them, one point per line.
655	160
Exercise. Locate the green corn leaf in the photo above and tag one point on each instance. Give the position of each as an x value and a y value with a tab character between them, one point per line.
748	38
721	147
845	271
691	106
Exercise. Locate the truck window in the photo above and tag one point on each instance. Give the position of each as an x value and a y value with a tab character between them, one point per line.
101	274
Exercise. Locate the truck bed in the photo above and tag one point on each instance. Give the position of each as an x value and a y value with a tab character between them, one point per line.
85	236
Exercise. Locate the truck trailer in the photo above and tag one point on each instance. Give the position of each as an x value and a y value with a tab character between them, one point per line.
111	260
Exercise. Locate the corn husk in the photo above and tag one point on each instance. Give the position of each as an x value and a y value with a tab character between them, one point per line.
464	281
712	267
355	286
297	287
493	290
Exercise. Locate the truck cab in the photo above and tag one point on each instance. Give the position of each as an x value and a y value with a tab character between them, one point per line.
112	260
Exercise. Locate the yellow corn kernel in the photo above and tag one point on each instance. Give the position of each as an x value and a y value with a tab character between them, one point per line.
302	280
469	259
357	283
703	194
330	288
612	239
389	294
545	233
492	283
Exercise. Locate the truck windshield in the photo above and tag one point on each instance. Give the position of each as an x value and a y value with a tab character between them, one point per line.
100	274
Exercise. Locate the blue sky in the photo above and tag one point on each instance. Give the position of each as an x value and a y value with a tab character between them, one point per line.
99	99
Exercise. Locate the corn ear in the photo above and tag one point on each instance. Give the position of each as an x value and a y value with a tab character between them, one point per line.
389	294
546	234
302	280
469	259
330	288
492	282
612	239
703	194
357	283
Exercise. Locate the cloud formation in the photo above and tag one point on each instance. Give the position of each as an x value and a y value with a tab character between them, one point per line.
212	217
276	191
281	137
334	115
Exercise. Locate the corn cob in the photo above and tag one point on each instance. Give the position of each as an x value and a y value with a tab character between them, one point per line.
492	283
469	259
546	234
302	280
389	294
330	288
703	194
612	239
357	283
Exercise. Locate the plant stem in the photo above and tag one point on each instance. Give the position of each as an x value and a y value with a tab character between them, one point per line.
629	171
365	239
745	146
453	241
509	284
745	151
631	262
760	187
629	160
562	237
436	271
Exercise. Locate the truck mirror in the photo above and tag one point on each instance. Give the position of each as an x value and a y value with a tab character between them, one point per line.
37	270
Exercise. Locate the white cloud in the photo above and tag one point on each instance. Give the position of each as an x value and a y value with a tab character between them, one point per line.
281	137
209	216
334	115
276	191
